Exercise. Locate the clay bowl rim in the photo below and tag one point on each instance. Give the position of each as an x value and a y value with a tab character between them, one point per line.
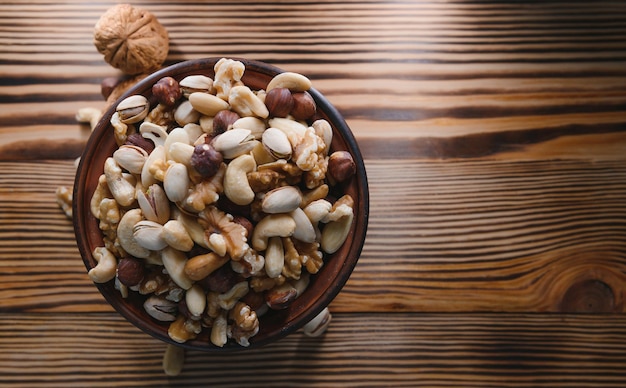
281	323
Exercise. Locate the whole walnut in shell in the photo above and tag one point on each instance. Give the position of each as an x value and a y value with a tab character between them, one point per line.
131	39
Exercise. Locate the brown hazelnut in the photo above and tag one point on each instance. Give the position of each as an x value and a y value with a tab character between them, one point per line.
167	91
206	160
130	271
341	166
222	279
137	140
107	86
254	299
223	120
243	221
279	102
303	106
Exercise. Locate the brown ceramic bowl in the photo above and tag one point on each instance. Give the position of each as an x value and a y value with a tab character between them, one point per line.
324	286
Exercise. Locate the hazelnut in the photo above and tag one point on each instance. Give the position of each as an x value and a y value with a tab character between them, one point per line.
279	102
254	299
222	279
223	120
130	271
243	221
137	140
107	86
206	160
167	91
341	166
303	106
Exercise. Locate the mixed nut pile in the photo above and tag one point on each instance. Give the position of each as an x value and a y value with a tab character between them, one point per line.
215	206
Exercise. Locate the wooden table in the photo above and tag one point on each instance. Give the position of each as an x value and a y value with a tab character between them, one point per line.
494	137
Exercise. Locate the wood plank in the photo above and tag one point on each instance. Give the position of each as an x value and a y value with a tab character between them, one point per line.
364	350
443	236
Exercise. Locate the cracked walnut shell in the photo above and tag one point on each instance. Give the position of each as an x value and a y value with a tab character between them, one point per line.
131	39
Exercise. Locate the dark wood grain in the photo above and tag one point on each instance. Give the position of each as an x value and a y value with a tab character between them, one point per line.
494	136
474	350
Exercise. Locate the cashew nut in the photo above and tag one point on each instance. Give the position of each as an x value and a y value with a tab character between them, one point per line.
102	191
243	101
106	267
173	360
154	132
176	236
292	81
122	190
174	263
89	115
281	225
236	186
157	155
125	234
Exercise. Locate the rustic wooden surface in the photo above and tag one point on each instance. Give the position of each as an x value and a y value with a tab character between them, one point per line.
494	136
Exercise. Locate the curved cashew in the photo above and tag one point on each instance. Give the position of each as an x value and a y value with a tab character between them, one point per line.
154	132
89	115
102	191
120	130
174	263
236	186
173	360
122	190
318	210
292	81
281	225
106	267
243	101
176	236
125	234
157	155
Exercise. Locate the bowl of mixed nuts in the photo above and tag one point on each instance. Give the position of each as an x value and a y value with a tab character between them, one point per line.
221	204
